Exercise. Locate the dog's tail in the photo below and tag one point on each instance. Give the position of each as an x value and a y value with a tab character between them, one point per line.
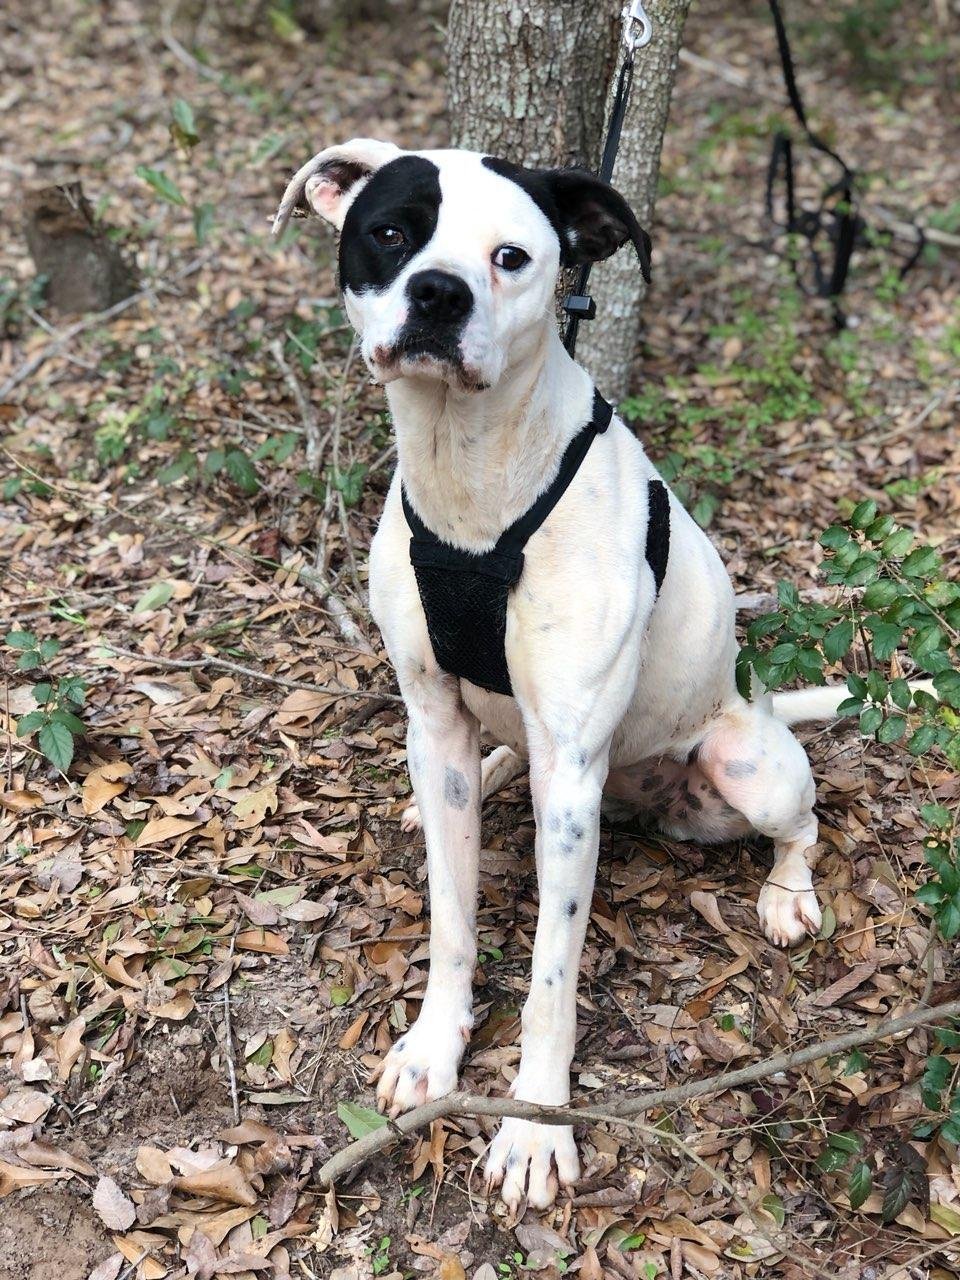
801	706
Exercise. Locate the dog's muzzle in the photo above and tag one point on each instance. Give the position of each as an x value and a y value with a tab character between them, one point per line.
440	304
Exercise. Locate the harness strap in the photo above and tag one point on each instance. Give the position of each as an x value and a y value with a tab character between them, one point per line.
658	530
504	562
465	593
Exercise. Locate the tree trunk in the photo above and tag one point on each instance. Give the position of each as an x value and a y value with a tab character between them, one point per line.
524	77
529	80
608	344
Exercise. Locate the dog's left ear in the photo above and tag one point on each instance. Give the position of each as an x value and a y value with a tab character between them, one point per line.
596	218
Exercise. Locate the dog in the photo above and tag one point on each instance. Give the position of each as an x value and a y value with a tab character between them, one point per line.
621	686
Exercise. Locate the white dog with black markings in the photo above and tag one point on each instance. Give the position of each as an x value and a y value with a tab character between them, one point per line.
448	263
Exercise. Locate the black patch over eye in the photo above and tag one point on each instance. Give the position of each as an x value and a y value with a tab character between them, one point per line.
389	237
510	257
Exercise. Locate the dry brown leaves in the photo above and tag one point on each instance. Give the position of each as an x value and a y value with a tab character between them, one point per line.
225	852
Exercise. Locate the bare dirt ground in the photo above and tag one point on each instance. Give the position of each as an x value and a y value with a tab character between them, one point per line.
224	851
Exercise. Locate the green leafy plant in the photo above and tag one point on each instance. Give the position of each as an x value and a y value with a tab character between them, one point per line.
236	464
939	1089
842	1150
55	720
894	603
183	126
941	893
379	1255
162	184
713	440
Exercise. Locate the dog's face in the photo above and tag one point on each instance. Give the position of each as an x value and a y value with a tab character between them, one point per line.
448	259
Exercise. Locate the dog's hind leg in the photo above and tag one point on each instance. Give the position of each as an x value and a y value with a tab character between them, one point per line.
443	753
497	769
761	770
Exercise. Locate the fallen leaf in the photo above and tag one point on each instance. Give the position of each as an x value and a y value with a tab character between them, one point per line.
101	785
222	1181
25	1106
21	801
271	944
843	986
153	1165
162	829
114	1209
109	1269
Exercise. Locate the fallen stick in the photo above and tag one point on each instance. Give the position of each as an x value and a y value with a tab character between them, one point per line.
342	618
308	415
466	1104
67	335
223	664
228	1042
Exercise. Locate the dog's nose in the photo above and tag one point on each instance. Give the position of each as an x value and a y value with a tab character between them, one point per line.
438	295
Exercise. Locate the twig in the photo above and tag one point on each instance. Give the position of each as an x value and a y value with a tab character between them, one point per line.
228	1041
223	664
182	54
308	416
908	231
360	717
67	335
316	578
620	1108
128	1271
8	722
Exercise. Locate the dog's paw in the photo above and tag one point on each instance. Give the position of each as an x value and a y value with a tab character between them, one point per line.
422	1065
532	1160
410	819
788	914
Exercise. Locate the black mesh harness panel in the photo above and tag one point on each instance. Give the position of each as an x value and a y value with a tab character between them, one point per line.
464	594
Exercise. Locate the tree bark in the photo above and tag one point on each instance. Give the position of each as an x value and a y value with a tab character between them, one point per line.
526	78
530	80
608	344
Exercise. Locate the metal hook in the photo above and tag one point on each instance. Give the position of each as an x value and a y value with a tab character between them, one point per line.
635	15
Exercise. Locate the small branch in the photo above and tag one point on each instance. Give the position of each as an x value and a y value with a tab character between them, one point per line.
223	664
128	1271
620	1108
308	416
908	231
182	54
29	367
360	717
228	1041
315	577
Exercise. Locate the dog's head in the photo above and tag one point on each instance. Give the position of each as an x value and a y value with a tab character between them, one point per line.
448	259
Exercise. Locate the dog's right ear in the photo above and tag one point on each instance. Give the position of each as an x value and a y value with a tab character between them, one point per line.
332	180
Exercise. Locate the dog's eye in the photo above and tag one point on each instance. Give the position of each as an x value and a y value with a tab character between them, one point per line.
510	257
389	237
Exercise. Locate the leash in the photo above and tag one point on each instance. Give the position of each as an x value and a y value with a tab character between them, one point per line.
637	34
837	215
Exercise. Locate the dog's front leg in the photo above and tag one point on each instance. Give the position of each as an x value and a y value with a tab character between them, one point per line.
529	1157
443	755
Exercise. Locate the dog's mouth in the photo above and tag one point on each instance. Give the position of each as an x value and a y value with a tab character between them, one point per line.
427	354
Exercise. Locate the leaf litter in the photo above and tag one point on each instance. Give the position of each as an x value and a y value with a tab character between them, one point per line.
226	852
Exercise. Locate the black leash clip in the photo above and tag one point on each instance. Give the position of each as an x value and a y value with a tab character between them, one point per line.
580	305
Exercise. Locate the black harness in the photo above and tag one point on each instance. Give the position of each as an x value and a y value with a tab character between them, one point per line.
464	593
